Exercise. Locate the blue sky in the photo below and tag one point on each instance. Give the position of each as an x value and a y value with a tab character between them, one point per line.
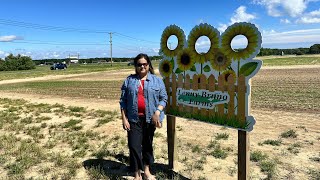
57	28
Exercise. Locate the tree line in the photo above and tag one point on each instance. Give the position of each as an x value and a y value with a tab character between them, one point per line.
91	60
14	63
314	49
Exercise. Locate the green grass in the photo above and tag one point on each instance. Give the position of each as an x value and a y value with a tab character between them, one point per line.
72	69
258	156
298	60
223	136
272	142
88	89
269	167
289	134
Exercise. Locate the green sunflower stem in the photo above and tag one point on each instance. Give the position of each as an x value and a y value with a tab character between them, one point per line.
201	67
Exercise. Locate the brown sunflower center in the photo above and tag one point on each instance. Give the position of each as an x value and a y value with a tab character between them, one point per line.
226	76
185	59
220	59
166	67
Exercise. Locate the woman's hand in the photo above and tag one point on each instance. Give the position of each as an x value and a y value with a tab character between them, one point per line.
156	119
125	124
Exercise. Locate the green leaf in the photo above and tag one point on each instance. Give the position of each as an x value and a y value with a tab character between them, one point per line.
248	68
207	68
178	71
193	68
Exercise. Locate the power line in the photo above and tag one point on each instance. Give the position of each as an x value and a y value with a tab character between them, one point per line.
66	29
119	34
48	27
53	43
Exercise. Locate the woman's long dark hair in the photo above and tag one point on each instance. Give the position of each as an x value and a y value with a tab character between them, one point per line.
146	57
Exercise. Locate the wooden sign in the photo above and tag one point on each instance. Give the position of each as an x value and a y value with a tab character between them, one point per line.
212	86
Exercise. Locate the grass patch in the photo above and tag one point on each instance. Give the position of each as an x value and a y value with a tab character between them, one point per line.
258	156
72	69
289	134
217	151
294	148
315	158
314	173
71	123
268	167
223	136
98	89
272	142
298	60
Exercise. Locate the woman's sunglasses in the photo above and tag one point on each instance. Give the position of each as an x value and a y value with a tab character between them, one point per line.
142	64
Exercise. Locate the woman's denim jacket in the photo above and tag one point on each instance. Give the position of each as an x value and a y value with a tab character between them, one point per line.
154	92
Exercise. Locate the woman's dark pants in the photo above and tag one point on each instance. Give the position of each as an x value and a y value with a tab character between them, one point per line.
140	139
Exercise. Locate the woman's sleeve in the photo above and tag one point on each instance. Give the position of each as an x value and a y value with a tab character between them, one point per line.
163	98
123	97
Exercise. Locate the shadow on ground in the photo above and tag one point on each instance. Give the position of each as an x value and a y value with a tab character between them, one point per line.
98	168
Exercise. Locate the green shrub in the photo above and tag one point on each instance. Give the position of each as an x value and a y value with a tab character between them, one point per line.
272	142
289	134
257	156
15	63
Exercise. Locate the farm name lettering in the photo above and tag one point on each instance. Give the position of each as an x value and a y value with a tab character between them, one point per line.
201	98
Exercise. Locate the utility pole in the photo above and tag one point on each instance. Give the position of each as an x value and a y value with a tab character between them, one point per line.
170	45
111	46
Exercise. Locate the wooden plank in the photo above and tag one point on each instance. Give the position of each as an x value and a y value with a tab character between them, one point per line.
231	94
187	87
243	155
167	83
172	140
180	85
241	98
203	85
174	90
221	88
212	87
195	85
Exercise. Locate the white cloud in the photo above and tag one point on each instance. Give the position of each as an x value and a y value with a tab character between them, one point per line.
285	21
156	50
222	27
1	52
311	17
291	37
242	16
276	8
9	38
308	20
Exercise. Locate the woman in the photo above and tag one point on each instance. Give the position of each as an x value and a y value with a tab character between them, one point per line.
142	101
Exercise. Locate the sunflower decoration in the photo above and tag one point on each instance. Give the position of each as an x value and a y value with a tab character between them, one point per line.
165	68
169	31
184	60
220	61
207	30
226	75
250	32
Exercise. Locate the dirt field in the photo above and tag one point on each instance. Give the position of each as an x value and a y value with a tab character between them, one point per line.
296	156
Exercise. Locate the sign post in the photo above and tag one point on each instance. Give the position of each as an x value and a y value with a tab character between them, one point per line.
213	86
